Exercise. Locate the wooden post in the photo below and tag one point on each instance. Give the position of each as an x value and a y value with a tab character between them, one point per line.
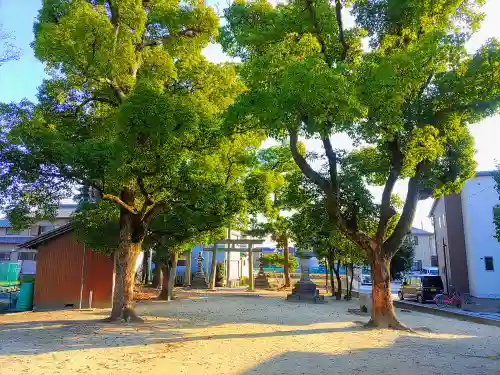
228	258
213	268
187	276
250	268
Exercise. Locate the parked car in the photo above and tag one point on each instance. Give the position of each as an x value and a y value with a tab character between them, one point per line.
421	287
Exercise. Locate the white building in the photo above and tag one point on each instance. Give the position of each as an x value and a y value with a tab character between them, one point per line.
479	198
425	249
468	252
10	239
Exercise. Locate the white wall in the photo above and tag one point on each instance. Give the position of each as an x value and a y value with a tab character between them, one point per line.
425	249
478	200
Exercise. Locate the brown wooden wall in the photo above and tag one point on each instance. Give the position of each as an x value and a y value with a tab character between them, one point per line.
59	270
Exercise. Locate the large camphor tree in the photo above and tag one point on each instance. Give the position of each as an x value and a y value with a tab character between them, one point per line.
129	108
407	99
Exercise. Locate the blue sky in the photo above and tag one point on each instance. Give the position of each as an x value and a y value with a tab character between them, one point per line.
20	79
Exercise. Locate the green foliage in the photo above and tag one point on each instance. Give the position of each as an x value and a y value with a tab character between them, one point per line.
97	225
220	272
277	260
407	101
403	260
132	109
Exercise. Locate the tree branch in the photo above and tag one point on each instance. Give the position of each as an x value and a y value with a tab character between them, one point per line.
114	21
332	165
115	199
94	99
338	13
391	245
189	32
386	211
317	31
147	197
304	166
115	87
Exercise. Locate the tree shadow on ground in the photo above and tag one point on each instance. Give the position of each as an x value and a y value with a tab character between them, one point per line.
409	355
60	335
172	323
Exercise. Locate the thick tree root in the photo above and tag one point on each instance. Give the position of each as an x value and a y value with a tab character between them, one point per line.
392	324
128	315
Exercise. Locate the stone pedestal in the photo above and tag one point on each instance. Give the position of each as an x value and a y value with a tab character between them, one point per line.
305	290
199	280
261	281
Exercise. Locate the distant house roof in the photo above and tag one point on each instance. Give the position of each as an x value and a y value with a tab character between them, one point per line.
5	223
68	205
485	173
15	239
420	232
33	243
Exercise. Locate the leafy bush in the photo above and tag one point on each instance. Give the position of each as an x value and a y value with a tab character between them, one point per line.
220	273
277	260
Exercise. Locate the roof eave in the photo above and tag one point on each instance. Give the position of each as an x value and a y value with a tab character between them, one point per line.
34	243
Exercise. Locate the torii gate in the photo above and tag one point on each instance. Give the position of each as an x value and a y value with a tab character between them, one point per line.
231	248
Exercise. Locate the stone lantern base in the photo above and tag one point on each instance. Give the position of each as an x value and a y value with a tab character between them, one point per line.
306	291
199	281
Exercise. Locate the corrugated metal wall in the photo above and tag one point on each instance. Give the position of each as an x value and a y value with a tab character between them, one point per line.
58	276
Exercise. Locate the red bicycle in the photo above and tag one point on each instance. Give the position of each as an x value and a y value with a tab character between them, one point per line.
455	299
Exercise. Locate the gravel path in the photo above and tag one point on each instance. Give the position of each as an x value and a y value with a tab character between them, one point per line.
217	334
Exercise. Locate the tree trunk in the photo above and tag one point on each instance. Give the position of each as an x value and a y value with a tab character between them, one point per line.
173	274
169	273
352	278
144	275
383	315
129	248
331	265
158	274
348	291
166	281
338	295
286	265
213	269
327	270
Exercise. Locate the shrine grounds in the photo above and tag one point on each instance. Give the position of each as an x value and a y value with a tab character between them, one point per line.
222	333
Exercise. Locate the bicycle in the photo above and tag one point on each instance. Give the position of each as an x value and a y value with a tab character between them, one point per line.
455	299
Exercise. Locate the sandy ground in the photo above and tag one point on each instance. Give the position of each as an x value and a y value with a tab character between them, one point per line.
217	334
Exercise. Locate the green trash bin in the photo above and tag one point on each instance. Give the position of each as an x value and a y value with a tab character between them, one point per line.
25	297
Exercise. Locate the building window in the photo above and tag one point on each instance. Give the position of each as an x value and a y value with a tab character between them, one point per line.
27	256
488	264
12	231
415	240
417	265
181	262
4	256
439	221
44	229
434	261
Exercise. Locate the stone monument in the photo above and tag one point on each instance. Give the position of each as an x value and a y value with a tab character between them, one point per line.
261	281
305	289
199	280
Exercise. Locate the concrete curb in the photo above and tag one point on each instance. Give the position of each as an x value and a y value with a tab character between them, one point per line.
446	313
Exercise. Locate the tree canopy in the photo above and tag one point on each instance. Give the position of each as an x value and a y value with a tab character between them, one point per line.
131	109
407	100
